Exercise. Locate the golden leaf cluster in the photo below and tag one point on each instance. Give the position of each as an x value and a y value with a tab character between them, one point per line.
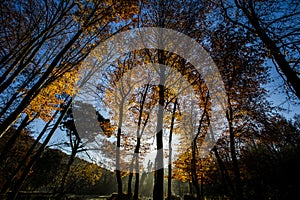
49	99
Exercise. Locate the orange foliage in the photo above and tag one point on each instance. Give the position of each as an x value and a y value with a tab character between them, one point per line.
49	99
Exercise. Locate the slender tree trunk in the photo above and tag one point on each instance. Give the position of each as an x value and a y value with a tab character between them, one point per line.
22	53
118	170
195	148
224	174
129	190
236	169
190	187
137	174
139	134
158	191
170	152
142	183
201	185
65	175
74	146
194	169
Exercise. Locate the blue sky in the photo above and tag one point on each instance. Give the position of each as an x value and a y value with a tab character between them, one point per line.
278	95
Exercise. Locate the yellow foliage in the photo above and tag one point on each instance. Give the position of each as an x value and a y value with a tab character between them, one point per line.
183	167
48	100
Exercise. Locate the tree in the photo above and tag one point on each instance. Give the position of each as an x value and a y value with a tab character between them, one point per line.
75	144
272	159
27	168
170	151
181	16
77	136
66	35
243	74
139	134
184	169
274	24
200	135
49	100
42	107
117	90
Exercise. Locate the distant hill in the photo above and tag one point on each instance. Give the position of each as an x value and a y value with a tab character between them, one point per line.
46	175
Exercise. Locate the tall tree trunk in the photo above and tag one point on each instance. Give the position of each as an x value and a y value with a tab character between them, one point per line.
224	173
129	190
137	174
65	175
158	191
236	169
190	186
170	152
118	170
74	146
194	169
201	185
142	182
139	134
195	148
